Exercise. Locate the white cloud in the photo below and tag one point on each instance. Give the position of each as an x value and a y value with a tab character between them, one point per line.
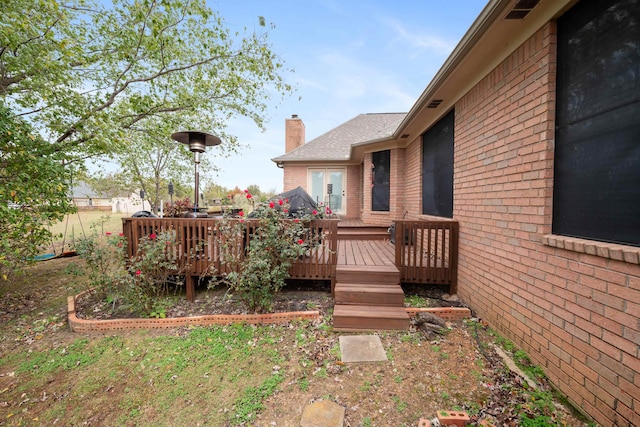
418	40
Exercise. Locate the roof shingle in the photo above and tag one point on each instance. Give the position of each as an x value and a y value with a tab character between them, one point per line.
335	145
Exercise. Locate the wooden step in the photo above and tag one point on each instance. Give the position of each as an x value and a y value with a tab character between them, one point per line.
363	233
369	317
366	294
369	274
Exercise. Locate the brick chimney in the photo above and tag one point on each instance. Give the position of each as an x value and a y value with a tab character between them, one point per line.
293	133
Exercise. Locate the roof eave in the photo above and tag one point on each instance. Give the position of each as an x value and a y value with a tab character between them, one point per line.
489	40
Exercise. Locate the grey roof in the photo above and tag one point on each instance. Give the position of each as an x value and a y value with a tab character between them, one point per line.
83	189
336	144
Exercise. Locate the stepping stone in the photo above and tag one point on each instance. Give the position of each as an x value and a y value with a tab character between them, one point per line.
322	413
362	348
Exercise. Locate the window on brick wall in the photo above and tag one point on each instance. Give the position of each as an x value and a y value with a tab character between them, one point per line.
380	190
437	168
597	154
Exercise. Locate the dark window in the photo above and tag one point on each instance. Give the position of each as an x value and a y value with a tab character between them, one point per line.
437	168
380	191
597	157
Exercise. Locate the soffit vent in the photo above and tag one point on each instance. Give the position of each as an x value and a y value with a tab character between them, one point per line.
434	103
404	136
521	9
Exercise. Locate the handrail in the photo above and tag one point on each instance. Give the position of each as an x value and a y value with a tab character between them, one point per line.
198	248
427	252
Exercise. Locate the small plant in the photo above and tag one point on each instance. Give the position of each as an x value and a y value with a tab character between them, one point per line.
401	405
178	207
415	301
103	255
366	422
366	386
151	270
303	384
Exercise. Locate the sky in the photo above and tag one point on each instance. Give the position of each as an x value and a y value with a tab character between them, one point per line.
349	57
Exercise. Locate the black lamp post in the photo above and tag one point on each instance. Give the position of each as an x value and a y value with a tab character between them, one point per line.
197	142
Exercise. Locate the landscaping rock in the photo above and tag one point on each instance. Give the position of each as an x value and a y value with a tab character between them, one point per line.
322	413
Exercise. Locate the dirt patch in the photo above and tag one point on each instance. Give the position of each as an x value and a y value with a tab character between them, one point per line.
219	300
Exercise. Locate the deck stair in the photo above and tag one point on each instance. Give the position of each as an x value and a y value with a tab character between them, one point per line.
370	232
368	298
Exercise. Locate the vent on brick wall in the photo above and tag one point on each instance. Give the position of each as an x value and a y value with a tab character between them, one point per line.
434	103
521	9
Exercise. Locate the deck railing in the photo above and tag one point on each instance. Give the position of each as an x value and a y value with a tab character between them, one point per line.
427	252
199	246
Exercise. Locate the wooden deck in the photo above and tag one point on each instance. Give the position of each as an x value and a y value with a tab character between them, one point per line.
364	267
366	252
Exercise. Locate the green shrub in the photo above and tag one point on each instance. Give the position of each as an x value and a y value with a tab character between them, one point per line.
275	241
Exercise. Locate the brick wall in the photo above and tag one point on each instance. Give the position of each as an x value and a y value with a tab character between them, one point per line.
295	176
572	305
352	191
294	133
381	218
411	174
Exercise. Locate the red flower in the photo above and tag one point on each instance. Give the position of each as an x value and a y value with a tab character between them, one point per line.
249	195
241	213
300	241
328	211
272	205
285	210
138	272
315	212
152	236
246	191
241	220
121	234
108	233
119	245
296	220
280	202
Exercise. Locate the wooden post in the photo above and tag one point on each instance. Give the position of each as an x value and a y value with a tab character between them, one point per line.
190	282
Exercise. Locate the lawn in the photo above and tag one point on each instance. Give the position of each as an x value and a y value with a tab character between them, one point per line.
241	374
83	223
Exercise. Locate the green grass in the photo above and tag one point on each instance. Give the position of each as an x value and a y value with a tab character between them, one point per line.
233	363
80	224
415	301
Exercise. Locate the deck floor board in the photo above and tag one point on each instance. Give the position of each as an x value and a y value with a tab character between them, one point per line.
365	252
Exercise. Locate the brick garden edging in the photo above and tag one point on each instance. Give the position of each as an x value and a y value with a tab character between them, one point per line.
452	314
85	325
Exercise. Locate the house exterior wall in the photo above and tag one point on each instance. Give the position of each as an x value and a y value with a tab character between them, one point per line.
295	176
396	190
353	193
575	311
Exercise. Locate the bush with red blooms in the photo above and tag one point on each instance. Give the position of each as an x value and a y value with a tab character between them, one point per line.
275	241
178	208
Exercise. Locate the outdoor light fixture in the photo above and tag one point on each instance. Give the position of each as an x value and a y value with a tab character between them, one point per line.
197	142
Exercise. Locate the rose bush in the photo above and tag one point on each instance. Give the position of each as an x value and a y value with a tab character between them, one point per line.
273	241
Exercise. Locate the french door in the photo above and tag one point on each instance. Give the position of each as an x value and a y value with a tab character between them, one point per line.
327	186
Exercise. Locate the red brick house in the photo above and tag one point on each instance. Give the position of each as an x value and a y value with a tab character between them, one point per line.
529	137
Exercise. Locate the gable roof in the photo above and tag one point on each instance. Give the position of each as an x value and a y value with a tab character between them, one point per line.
83	190
335	145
